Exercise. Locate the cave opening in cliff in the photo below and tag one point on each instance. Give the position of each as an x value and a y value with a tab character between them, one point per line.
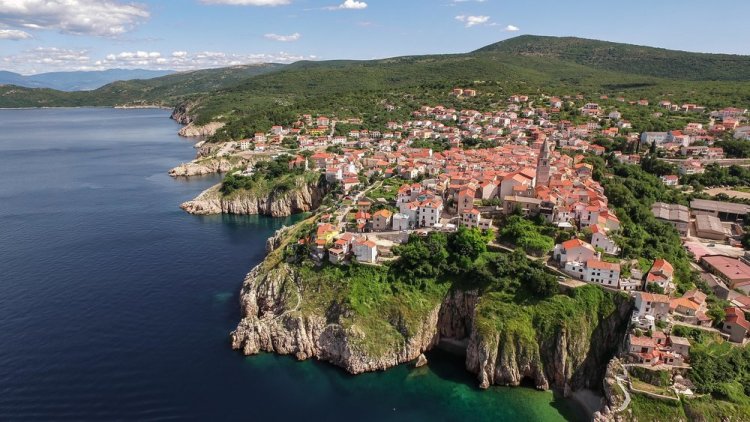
450	367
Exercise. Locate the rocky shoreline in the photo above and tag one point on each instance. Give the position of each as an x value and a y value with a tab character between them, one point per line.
305	197
183	114
272	300
205	166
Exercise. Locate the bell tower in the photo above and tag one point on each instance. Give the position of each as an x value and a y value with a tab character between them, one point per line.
543	165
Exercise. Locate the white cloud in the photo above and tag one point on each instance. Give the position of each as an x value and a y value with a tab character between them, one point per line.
511	28
249	2
91	17
46	59
283	38
473	20
14	34
350	5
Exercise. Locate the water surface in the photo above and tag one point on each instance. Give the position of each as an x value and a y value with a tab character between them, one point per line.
114	304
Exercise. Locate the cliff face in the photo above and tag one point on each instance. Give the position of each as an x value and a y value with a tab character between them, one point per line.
304	197
183	114
569	356
276	318
208	166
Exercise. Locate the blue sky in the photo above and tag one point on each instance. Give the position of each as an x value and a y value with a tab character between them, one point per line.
51	35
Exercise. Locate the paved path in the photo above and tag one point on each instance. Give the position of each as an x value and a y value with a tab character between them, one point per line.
626	403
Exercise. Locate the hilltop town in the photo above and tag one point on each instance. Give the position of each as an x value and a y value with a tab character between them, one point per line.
532	176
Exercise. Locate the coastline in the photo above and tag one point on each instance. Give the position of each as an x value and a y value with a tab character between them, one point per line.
83	107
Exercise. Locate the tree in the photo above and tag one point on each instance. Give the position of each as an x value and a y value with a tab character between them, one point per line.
468	243
716	313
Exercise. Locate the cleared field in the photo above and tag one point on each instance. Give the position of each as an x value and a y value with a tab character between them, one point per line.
729	192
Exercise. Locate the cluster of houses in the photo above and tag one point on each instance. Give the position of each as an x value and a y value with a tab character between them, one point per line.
651	345
535	168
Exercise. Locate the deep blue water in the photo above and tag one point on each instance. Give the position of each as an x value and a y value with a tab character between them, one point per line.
114	304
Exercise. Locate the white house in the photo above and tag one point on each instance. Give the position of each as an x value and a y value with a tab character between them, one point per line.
573	250
594	271
651	304
401	222
599	239
365	250
429	212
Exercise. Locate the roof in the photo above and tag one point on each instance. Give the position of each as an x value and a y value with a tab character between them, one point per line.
574	243
601	265
654	297
642	341
708	223
663	266
683	302
682	341
719	206
383	213
732	269
671	212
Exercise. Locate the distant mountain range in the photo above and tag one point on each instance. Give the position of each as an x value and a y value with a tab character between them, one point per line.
78	81
252	97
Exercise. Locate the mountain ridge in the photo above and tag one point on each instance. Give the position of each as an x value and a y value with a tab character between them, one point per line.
78	80
243	96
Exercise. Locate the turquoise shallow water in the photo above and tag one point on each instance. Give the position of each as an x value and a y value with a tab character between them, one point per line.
114	304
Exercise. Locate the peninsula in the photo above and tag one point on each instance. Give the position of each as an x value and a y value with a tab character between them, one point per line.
564	213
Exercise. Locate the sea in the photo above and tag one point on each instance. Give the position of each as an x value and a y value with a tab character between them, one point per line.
117	305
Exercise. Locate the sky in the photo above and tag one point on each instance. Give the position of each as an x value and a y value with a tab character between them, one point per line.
61	35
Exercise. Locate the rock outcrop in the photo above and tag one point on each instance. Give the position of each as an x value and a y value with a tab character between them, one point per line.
183	115
302	198
273	321
193	130
206	166
574	356
276	319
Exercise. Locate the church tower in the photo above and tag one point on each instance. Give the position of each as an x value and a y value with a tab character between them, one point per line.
543	165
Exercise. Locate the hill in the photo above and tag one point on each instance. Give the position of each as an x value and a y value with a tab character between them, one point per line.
78	81
165	90
251	98
627	58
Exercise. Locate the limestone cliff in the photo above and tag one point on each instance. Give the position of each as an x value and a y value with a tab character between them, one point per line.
278	317
204	166
303	197
184	114
561	344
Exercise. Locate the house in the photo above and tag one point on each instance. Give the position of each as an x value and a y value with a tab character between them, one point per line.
381	220
573	250
429	212
400	222
649	138
465	199
670	180
526	205
680	345
652	304
691	308
661	274
599	239
365	250
643	349
736	325
595	271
